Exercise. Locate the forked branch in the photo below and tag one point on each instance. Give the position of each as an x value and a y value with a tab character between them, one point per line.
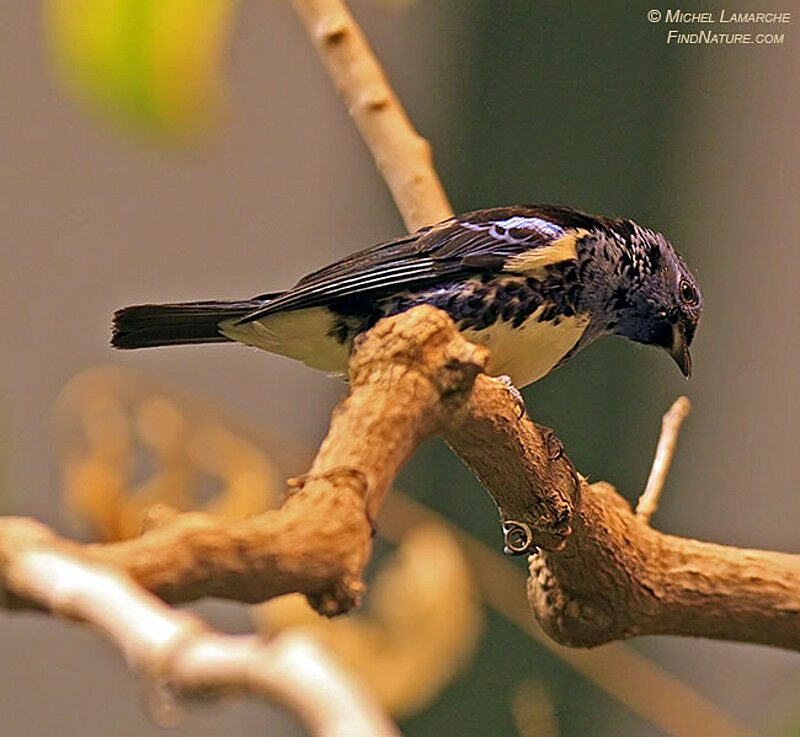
412	377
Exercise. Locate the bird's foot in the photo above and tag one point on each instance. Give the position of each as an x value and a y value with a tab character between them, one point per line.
519	402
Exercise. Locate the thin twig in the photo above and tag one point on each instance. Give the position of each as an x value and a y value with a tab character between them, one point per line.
670	427
403	157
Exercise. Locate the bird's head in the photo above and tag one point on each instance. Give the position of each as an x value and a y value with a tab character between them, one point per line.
656	301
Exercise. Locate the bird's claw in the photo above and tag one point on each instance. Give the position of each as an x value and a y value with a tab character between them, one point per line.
519	402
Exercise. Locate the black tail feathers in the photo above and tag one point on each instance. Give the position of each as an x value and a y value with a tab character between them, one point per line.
147	326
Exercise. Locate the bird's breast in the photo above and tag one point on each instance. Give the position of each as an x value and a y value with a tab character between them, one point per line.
531	350
525	351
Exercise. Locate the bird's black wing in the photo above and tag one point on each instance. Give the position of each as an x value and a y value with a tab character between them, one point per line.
480	241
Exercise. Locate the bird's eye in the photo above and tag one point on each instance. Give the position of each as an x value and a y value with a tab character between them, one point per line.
688	293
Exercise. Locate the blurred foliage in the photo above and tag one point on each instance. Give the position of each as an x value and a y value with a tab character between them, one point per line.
126	444
150	66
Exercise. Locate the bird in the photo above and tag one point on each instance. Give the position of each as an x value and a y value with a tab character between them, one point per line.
533	283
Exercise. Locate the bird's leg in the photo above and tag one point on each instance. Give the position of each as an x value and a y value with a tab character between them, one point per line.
519	402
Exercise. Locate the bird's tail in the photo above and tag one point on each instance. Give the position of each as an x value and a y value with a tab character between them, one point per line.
147	326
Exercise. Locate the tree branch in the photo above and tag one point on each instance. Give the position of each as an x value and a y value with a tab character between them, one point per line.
639	581
403	157
643	582
182	657
414	376
408	379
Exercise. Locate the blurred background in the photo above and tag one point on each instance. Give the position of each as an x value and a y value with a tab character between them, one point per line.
164	150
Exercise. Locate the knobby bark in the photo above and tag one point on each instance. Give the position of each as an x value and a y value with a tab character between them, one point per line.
601	573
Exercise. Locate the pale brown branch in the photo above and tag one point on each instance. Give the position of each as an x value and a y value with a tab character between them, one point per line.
639	580
174	650
414	376
665	450
602	574
622	672
408	379
645	582
716	591
402	156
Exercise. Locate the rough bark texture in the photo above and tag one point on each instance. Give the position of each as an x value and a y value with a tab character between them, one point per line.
602	573
617	578
408	379
522	465
607	575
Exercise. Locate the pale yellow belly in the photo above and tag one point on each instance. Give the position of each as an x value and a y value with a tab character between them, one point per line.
299	334
525	353
532	350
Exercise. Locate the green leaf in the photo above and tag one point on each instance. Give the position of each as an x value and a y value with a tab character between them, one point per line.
150	66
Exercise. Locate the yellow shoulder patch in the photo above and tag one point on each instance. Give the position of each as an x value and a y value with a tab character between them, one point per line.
561	249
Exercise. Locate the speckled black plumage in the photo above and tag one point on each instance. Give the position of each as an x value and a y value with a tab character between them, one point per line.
485	269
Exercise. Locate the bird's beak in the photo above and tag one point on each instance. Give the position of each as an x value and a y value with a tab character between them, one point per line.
680	350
